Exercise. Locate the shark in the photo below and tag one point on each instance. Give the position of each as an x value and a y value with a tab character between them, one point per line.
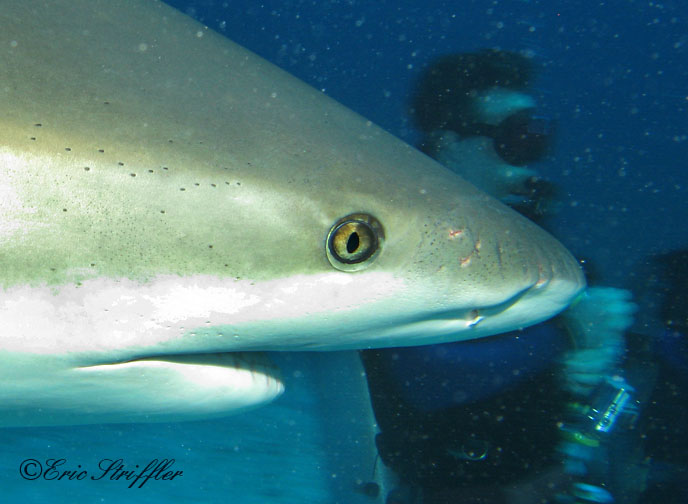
172	206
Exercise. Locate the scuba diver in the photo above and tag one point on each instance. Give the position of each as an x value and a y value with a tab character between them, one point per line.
511	419
478	119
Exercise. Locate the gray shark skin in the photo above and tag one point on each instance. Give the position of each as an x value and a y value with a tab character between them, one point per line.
171	204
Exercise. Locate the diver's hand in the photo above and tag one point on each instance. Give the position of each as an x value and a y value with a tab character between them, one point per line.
599	311
596	324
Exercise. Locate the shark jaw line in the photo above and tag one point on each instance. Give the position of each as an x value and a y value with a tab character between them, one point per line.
468	324
105	321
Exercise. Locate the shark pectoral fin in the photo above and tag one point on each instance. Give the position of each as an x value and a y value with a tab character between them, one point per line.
177	387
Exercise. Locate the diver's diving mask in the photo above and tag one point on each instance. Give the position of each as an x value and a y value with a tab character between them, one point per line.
508	117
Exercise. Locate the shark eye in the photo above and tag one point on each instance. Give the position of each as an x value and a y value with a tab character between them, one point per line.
354	241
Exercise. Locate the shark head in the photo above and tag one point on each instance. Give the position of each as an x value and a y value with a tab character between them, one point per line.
171	205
